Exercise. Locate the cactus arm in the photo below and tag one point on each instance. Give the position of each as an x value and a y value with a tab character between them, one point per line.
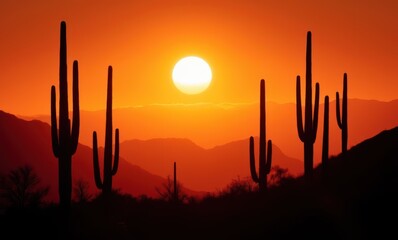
316	110
300	127
253	161
116	157
269	157
97	174
339	123
76	115
54	129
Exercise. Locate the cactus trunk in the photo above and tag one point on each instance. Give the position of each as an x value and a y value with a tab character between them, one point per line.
342	119
325	142
108	136
307	133
265	158
175	193
109	170
65	141
65	181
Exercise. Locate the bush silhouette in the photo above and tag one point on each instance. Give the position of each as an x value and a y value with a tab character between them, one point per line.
81	191
238	187
168	194
21	188
279	176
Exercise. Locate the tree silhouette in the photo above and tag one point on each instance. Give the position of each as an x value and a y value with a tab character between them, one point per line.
20	188
167	192
65	141
81	191
307	132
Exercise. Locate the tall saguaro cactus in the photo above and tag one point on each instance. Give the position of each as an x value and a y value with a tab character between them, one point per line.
325	142
175	188
109	171
265	158
65	140
307	133
342	119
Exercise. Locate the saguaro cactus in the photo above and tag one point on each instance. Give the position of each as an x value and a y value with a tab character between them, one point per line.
307	133
109	171
342	119
65	141
325	142
265	158
175	192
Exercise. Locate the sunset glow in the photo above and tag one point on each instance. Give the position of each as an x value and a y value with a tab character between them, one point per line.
192	75
222	119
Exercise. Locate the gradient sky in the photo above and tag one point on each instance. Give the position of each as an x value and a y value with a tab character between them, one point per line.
243	41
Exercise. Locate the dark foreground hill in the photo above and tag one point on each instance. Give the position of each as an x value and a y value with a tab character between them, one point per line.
355	197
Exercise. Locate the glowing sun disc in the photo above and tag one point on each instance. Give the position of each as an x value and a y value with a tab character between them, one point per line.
192	75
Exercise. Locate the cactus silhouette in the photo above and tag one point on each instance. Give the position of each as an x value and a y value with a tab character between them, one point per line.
109	171
175	189
325	141
342	119
307	133
265	158
65	141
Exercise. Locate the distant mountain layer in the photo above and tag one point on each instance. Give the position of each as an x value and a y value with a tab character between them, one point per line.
199	168
210	125
29	142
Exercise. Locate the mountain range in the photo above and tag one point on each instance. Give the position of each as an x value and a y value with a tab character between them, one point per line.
29	143
144	165
353	196
212	125
155	136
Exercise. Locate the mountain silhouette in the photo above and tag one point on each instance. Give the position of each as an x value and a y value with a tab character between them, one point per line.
199	168
29	142
353	198
206	125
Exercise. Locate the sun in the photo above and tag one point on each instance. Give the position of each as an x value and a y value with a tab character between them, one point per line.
192	75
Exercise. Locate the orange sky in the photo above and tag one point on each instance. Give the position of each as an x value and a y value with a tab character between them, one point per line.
243	41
